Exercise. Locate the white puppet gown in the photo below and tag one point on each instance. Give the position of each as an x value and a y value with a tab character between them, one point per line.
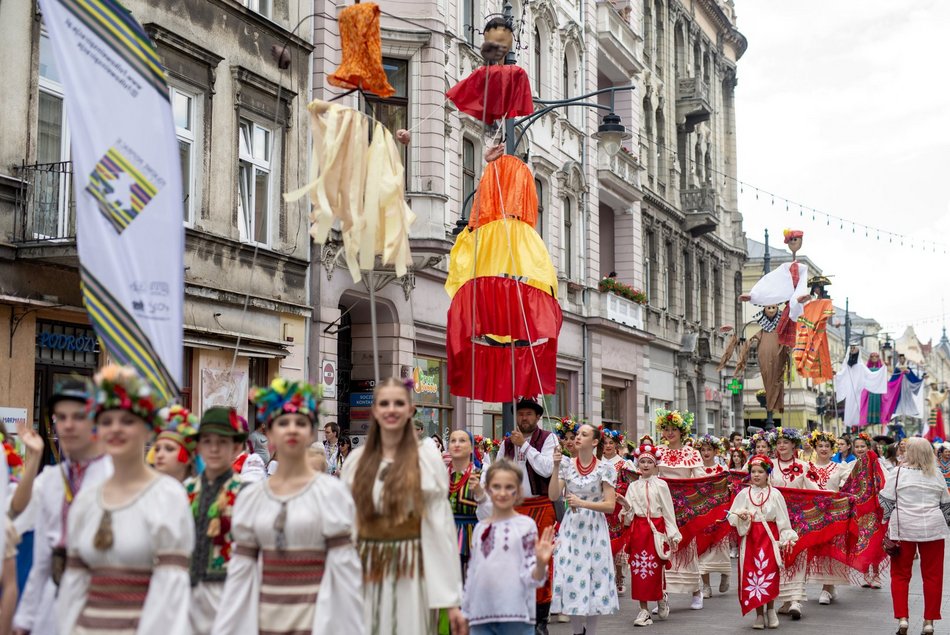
777	286
851	381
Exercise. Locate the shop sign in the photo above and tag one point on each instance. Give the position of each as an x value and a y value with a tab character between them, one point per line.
713	395
361	399
427	377
63	342
11	417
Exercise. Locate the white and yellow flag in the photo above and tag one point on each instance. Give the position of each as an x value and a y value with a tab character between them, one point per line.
127	176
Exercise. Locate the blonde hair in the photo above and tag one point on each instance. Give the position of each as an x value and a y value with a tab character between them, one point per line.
920	454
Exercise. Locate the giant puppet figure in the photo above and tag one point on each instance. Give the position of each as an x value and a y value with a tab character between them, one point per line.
852	381
812	358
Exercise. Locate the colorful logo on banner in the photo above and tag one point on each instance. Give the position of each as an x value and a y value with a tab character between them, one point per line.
121	189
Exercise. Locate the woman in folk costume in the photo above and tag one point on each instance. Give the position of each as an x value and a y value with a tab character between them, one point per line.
812	358
825	474
790	472
584	586
613	441
465	490
211	495
406	533
652	537
785	284
129	537
678	460
865	482
716	558
293	567
943	462
761	518
174	448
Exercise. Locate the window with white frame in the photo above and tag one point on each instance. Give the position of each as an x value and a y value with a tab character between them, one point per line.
51	214
256	167
184	109
568	239
539	189
469	20
538	60
264	7
469	175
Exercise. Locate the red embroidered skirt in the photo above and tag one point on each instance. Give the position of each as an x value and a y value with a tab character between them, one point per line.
541	511
759	570
647	579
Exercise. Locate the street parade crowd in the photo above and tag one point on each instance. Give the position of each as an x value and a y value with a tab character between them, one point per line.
154	520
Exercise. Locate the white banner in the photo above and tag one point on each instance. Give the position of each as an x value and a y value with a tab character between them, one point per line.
127	177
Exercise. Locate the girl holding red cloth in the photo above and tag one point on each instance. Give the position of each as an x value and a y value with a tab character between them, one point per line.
613	440
716	558
652	536
761	519
867	533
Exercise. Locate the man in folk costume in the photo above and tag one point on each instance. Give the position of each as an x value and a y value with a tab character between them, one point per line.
791	472
532	449
220	438
851	380
82	465
787	283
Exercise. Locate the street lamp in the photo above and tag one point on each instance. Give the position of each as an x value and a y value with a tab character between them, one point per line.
611	134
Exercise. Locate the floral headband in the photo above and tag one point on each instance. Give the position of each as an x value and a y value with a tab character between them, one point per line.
616	435
864	436
566	426
715	442
789	434
762	460
121	388
821	436
180	428
284	397
683	421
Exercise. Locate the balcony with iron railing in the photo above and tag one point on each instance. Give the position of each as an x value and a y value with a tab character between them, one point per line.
44	226
692	101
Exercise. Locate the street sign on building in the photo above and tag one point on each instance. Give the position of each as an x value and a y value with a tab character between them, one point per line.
328	378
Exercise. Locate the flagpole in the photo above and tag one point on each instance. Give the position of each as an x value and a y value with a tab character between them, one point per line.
372	323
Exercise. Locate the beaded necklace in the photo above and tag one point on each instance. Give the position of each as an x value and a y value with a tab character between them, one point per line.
584	471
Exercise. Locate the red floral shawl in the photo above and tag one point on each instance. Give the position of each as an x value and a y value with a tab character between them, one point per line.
865	531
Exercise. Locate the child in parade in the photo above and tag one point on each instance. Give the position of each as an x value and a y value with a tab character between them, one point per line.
505	547
737	459
174	448
652	537
406	533
716	558
130	536
464	490
584	586
679	460
761	519
613	441
211	495
293	567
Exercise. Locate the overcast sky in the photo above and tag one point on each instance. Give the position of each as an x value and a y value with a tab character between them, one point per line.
844	105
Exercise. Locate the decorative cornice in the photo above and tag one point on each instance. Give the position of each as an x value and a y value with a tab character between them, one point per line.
727	30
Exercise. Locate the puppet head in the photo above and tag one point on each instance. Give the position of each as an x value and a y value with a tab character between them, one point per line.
793	238
498	40
770	311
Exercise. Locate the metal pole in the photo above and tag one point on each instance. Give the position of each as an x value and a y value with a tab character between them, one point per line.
372	323
767	258
508	409
847	326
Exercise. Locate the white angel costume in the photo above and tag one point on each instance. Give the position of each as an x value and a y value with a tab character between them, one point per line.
853	379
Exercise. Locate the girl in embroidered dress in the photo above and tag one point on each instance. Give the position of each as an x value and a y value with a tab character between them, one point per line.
652	537
613	441
506	547
174	448
761	519
678	460
406	533
760	444
464	490
716	558
293	568
790	472
129	537
827	475
584	586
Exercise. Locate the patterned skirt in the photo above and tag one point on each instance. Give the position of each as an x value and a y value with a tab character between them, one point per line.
647	570
465	526
290	584
114	601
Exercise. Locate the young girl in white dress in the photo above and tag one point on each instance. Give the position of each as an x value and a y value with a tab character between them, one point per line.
131	536
293	566
584	585
505	547
761	519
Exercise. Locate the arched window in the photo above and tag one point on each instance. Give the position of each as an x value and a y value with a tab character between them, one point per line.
568	238
707	166
647	28
658	14
661	151
698	164
679	60
537	61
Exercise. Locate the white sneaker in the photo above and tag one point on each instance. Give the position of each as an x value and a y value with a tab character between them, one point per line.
707	591
697	603
563	619
784	609
824	598
663	607
795	610
771	619
759	623
724	583
643	618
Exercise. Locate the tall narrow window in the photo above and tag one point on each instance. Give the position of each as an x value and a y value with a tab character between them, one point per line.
183	108
717	297
468	21
689	294
651	268
51	210
568	240
263	7
703	293
539	188
661	171
394	112
670	273
565	78
537	62
255	183
658	61
468	175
